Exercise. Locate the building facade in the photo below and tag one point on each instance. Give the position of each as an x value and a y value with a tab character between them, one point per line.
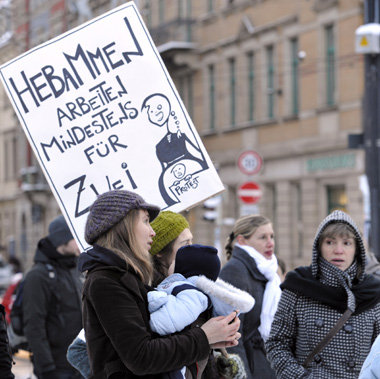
26	204
279	77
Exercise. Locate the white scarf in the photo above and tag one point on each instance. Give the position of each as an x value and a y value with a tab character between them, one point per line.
272	293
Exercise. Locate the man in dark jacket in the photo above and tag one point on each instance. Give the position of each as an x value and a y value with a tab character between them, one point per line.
5	350
52	302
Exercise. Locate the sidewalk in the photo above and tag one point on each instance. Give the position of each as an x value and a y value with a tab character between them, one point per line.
23	369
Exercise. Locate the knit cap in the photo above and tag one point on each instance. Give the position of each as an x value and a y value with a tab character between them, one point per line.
110	208
59	232
167	226
197	260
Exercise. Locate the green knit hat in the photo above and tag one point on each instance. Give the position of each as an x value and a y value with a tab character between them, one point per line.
167	226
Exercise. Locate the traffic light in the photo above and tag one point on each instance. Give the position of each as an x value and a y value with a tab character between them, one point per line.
211	207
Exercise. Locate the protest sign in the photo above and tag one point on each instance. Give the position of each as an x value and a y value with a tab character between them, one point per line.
101	112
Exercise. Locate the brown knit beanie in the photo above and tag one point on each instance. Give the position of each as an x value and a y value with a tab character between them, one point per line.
110	208
167	226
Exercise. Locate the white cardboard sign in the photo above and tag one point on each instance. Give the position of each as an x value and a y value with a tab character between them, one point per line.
101	112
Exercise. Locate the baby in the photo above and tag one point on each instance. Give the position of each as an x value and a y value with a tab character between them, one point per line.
191	290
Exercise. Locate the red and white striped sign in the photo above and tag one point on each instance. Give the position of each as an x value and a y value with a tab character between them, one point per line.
249	192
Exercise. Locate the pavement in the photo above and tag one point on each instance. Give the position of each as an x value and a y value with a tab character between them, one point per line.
23	368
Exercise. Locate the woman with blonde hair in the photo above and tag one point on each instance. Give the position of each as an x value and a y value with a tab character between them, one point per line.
119	269
252	267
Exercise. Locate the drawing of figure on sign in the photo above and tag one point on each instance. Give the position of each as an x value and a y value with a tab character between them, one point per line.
175	147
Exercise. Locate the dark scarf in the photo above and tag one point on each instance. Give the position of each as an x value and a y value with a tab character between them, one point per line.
302	282
49	250
99	256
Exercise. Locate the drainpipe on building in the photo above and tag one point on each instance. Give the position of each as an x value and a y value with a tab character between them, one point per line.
367	42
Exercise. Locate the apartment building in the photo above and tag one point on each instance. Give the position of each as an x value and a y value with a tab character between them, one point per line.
279	77
26	204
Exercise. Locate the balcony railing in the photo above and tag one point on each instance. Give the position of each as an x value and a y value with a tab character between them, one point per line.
32	179
179	30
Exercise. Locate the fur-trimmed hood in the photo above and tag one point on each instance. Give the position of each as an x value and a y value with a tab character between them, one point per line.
225	297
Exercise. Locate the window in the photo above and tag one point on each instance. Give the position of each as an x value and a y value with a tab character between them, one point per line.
210	5
189	31
5	103
232	69
297	222
190	95
10	157
270	82
211	95
294	76
148	13
251	86
11	246
330	65
181	87
180	8
185	89
2	237
336	198
271	211
161	11
24	238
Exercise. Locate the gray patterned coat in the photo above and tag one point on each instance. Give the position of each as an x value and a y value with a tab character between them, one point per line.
306	314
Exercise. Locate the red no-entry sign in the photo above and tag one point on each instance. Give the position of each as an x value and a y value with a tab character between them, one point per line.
249	193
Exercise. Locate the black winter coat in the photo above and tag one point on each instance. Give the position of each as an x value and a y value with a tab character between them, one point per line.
51	308
241	271
119	340
5	352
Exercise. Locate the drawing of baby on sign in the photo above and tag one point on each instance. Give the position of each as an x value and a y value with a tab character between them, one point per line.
180	157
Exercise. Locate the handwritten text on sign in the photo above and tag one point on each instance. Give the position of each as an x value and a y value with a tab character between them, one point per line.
101	112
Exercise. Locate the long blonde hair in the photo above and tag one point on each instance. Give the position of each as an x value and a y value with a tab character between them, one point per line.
245	226
121	240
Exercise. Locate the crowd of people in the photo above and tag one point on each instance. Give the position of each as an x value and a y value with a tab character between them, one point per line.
145	302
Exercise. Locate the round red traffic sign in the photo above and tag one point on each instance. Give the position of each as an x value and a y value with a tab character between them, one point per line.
250	162
249	193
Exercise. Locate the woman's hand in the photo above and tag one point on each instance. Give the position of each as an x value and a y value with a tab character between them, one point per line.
222	331
223	345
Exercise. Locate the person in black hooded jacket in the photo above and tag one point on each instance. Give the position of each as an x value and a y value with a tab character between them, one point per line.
52	302
5	350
